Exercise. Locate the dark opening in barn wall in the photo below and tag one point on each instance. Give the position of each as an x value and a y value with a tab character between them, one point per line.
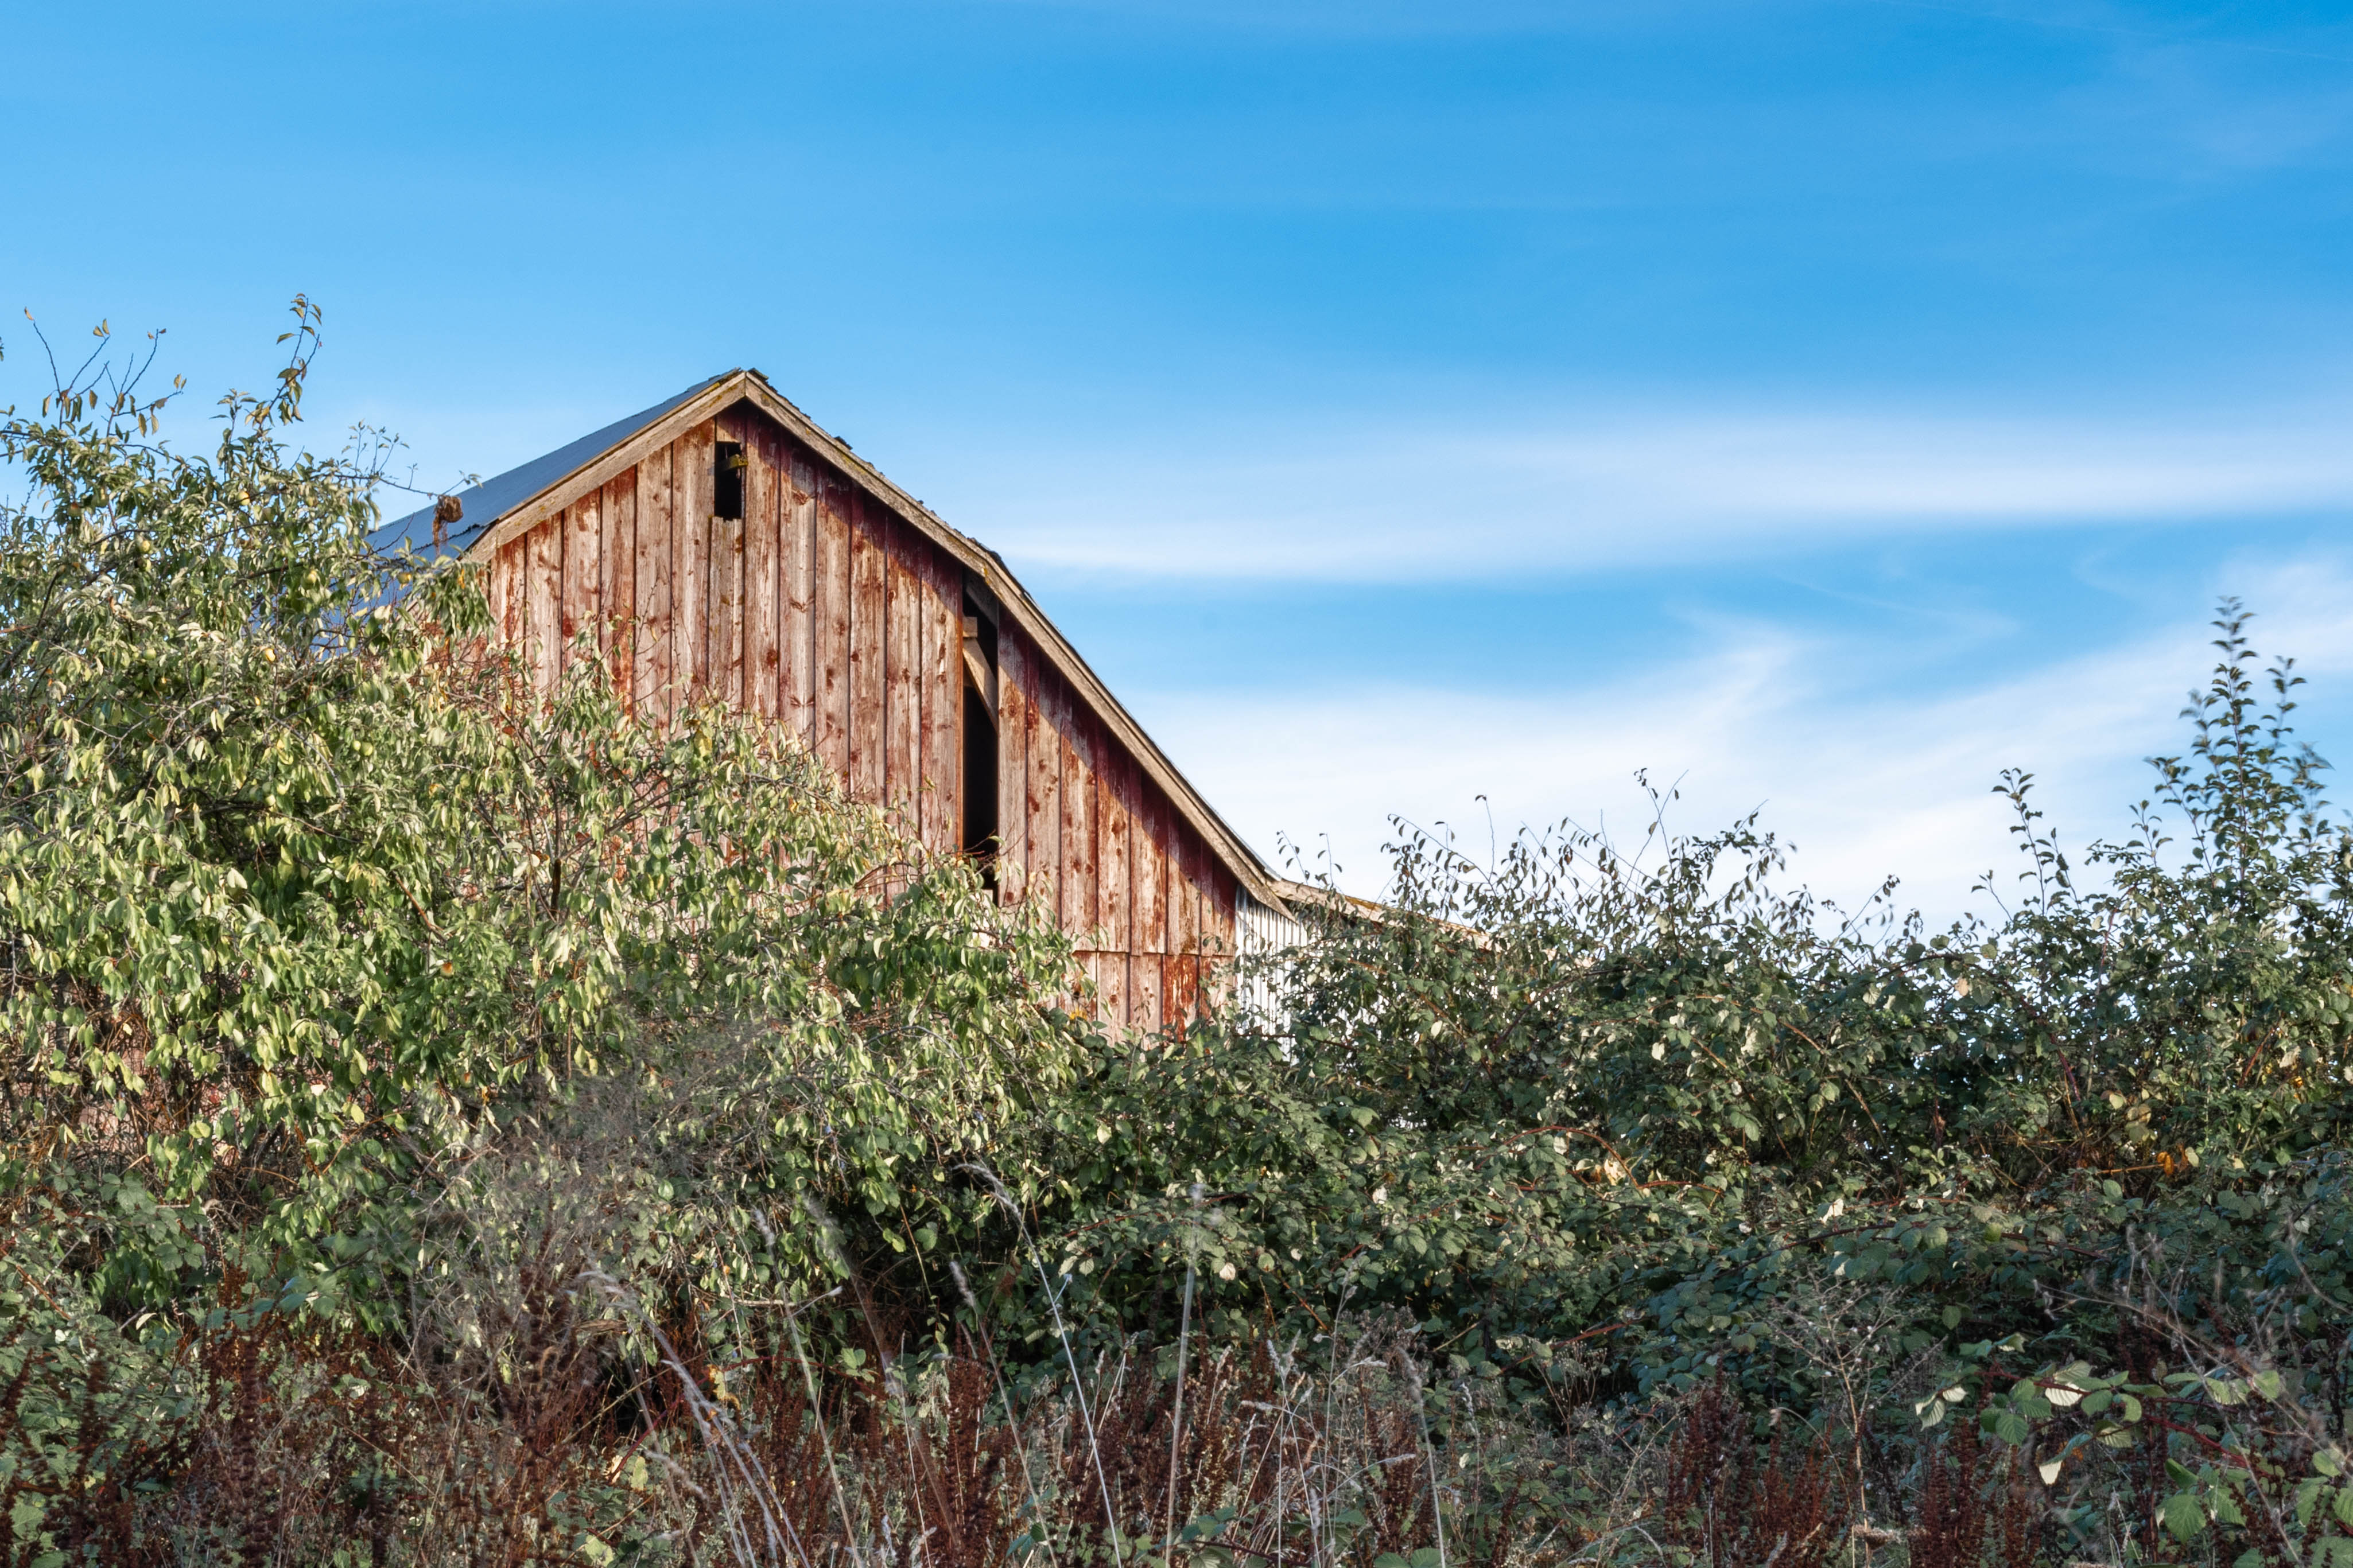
980	782
727	480
980	676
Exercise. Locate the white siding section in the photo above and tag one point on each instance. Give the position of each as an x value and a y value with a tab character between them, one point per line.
1262	935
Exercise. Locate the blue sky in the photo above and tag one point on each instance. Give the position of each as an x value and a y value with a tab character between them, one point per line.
1824	403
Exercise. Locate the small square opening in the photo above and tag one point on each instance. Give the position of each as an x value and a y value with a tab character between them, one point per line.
727	482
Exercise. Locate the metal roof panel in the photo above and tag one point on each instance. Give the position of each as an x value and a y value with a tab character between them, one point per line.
485	503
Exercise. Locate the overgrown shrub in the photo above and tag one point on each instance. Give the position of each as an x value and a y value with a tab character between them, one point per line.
345	975
449	1121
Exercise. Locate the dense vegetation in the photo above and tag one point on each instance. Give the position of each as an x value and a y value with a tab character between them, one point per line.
444	1124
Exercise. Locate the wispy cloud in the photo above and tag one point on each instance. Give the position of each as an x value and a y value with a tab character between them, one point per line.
1584	489
1865	785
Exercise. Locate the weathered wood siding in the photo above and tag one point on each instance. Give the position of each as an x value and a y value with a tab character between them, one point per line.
822	609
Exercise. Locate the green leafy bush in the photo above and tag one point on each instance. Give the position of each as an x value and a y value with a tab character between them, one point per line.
350	980
451	1121
1628	1123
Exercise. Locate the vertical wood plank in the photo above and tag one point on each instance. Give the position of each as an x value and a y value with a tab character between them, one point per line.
1202	943
1041	802
544	622
1147	975
727	613
1218	933
869	607
833	553
584	569
1144	991
1114	786
902	659
1013	682
503	591
1081	903
690	490
655	644
797	679
762	535
685	578
618	599
1184	973
942	793
1095	964
1215	915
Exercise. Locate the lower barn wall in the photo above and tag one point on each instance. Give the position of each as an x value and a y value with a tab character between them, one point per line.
1087	834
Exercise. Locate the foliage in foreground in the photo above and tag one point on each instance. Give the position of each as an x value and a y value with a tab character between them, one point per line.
1616	1126
316	922
446	1123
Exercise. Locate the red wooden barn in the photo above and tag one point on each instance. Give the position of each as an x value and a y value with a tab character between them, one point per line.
722	543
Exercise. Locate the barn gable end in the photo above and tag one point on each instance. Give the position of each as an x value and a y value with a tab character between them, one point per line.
837	605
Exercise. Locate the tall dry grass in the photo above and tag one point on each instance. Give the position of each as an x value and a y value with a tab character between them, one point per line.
275	1442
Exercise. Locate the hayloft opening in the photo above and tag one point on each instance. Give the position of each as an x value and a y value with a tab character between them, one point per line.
980	782
980	825
727	483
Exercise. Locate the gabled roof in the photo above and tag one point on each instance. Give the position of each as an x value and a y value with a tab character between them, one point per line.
498	509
